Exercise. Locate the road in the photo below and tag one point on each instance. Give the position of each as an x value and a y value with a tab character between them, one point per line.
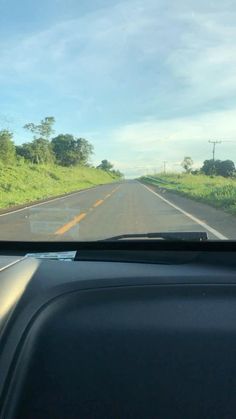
113	209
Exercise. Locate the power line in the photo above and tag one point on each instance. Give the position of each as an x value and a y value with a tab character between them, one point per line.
164	166
214	147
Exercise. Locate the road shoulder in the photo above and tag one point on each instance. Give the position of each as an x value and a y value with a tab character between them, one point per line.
218	219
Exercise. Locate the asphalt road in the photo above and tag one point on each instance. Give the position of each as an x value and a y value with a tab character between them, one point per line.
114	209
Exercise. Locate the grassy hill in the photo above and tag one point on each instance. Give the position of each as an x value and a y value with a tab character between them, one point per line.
24	183
217	191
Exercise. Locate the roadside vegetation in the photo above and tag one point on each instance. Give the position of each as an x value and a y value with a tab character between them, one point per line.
217	191
212	167
214	183
48	165
24	182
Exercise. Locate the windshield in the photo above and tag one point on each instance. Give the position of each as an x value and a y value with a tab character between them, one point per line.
117	118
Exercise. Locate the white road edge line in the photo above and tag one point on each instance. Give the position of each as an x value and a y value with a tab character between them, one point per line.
195	219
48	202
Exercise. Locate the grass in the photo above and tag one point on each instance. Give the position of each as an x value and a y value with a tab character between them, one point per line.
217	191
24	183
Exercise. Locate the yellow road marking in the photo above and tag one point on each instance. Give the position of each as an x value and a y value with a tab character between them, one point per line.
97	203
114	190
70	224
81	216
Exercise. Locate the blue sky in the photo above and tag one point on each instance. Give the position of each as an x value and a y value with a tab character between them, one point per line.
143	80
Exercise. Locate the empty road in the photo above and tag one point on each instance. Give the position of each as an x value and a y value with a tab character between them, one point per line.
114	209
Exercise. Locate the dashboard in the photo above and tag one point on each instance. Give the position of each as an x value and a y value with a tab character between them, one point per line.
106	339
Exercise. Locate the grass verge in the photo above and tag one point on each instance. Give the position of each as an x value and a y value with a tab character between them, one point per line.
24	183
216	191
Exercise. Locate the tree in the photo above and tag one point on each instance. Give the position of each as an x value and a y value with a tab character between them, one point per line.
187	164
195	172
84	150
24	150
64	149
208	167
226	168
216	167
69	150
7	147
117	173
105	165
44	130
38	151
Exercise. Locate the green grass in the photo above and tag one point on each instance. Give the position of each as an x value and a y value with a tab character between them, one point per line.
24	183
217	191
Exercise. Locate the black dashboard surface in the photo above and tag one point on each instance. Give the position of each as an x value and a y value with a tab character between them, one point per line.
118	340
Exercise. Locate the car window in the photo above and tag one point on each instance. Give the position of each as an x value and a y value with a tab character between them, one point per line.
117	118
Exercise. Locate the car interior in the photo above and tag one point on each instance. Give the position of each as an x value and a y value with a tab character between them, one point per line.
118	329
117	209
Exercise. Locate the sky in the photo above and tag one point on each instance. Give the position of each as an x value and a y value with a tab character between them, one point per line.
145	81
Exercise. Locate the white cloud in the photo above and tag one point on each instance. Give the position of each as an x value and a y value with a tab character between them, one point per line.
197	50
146	135
206	57
149	143
184	53
94	42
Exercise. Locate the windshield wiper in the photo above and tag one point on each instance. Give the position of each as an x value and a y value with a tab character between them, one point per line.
189	236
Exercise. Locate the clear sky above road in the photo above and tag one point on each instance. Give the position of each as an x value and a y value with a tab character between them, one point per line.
143	80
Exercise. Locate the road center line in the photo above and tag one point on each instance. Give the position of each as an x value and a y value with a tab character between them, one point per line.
70	224
59	198
187	214
114	190
81	216
97	203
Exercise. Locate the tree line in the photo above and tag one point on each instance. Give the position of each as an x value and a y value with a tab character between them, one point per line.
225	168
63	149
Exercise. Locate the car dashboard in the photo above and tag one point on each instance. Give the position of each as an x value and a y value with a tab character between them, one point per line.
107	339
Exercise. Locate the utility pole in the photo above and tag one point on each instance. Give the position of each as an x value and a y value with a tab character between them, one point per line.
214	147
164	166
